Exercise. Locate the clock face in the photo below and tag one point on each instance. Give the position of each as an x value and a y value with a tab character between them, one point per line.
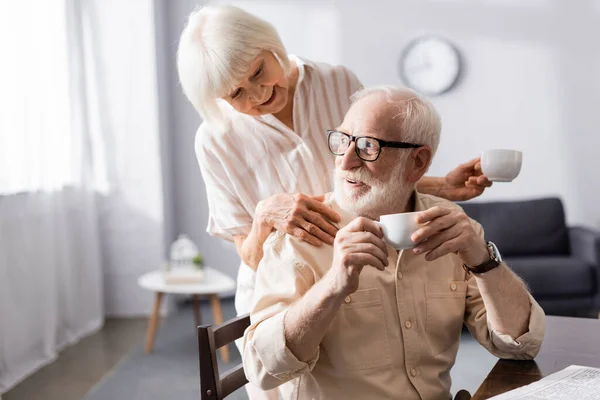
430	65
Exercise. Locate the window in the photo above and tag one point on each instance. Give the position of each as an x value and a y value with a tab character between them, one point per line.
37	147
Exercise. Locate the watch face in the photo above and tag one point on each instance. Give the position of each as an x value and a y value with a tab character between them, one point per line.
430	65
494	252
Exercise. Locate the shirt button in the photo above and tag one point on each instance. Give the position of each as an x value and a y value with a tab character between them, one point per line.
399	275
413	372
348	299
408	324
453	286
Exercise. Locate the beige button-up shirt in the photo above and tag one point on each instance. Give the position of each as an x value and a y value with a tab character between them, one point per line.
397	336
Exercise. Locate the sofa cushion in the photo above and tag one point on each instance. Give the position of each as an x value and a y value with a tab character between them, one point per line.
555	276
523	228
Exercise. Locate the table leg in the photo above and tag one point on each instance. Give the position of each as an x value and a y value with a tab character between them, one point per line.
153	322
218	317
196	307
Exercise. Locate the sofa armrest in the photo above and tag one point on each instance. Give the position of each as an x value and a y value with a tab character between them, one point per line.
585	244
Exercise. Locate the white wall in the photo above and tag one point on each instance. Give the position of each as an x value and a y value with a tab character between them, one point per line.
186	206
530	82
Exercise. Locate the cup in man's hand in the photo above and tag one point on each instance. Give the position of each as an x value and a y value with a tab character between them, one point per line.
398	228
501	165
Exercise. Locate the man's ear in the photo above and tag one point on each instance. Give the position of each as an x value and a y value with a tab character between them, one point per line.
420	159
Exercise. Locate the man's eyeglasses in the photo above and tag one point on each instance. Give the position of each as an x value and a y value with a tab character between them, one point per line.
367	148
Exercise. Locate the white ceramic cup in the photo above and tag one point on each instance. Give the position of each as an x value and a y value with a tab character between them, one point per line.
398	228
501	165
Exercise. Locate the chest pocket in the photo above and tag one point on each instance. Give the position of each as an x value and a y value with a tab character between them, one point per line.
357	338
445	314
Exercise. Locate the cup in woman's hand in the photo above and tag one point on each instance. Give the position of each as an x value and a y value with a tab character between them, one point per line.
501	165
398	228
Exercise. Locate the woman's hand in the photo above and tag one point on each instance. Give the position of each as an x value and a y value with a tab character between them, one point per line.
299	215
465	182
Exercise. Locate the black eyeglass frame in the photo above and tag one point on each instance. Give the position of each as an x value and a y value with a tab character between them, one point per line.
382	143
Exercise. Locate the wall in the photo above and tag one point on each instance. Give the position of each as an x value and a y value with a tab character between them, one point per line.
529	83
185	195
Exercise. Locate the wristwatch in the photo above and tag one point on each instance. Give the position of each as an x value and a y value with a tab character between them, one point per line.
494	261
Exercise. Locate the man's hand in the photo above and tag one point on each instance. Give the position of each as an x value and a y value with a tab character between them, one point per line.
358	244
465	182
449	231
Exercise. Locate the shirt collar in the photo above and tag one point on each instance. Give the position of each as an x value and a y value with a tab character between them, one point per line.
302	66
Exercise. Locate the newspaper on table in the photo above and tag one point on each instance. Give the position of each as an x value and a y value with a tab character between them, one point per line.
574	382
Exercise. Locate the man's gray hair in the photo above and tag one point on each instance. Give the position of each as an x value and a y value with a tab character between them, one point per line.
418	120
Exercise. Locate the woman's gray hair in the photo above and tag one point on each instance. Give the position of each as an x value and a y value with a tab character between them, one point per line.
418	120
215	51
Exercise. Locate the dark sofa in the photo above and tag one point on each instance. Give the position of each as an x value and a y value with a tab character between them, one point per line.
560	264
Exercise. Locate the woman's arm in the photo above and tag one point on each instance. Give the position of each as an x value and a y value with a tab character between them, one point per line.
250	247
305	217
464	182
431	185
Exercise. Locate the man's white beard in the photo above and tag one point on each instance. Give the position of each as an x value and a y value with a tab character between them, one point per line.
383	197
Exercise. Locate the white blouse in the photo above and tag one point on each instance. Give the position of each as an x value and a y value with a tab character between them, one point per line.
258	157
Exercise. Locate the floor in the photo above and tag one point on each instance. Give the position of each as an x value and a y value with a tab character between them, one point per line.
171	371
113	363
81	366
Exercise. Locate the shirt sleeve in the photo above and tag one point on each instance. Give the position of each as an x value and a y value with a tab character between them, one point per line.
354	83
227	216
283	277
525	347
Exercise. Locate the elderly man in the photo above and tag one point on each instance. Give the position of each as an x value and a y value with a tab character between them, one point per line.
360	320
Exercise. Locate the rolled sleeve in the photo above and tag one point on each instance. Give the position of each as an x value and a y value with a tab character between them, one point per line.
502	345
528	344
267	360
228	215
228	232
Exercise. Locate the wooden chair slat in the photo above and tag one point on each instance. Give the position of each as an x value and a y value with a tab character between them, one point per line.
230	330
233	380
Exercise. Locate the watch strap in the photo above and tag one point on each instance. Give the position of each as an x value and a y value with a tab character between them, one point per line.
482	268
489	265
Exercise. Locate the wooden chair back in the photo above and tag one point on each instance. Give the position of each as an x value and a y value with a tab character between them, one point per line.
215	386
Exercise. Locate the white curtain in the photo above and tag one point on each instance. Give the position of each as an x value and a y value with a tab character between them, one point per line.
50	250
80	185
51	286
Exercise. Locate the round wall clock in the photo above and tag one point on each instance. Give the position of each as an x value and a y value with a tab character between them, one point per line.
430	65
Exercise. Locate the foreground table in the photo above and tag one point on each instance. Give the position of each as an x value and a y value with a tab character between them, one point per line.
568	341
214	284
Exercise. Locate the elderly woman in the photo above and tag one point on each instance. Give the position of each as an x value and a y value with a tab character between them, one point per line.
262	147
